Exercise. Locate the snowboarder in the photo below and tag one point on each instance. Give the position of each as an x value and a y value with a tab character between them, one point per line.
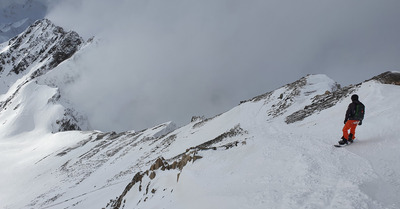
354	116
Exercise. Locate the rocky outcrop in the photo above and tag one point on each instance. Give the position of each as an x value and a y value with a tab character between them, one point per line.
319	103
329	99
43	43
281	100
150	174
388	78
143	179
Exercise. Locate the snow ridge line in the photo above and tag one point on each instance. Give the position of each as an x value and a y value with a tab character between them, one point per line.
179	162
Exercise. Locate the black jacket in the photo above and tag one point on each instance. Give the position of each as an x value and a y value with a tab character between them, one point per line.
351	110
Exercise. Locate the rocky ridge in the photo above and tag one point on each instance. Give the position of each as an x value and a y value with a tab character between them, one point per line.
329	99
32	54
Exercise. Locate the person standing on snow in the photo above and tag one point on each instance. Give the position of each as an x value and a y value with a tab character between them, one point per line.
354	116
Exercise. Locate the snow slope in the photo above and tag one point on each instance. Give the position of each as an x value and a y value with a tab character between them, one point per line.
292	166
251	156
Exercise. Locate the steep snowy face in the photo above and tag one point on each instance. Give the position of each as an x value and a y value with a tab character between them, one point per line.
16	16
37	50
23	60
296	95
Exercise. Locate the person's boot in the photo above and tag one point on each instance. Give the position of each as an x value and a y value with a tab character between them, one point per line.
343	141
350	138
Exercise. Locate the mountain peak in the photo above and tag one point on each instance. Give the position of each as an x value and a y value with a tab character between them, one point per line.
28	56
42	43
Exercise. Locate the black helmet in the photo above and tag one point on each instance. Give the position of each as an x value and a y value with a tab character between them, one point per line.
354	97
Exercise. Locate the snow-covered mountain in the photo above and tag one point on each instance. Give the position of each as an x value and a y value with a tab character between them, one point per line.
16	16
272	151
26	86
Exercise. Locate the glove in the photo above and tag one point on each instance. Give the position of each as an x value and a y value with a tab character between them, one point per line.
345	121
360	123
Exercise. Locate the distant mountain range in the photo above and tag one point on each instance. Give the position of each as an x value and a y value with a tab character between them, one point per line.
16	16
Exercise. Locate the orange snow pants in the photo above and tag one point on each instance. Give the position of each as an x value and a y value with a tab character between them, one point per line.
352	125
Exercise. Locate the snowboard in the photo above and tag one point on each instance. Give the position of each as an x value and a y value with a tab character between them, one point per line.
343	145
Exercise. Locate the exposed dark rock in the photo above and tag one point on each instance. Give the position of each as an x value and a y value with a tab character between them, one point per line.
160	163
67	125
152	175
201	122
178	162
197	118
388	78
69	122
237	130
42	40
321	102
293	89
118	203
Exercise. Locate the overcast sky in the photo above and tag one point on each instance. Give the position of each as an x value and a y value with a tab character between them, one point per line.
162	60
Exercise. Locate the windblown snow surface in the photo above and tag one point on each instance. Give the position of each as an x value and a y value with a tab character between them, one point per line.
247	157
